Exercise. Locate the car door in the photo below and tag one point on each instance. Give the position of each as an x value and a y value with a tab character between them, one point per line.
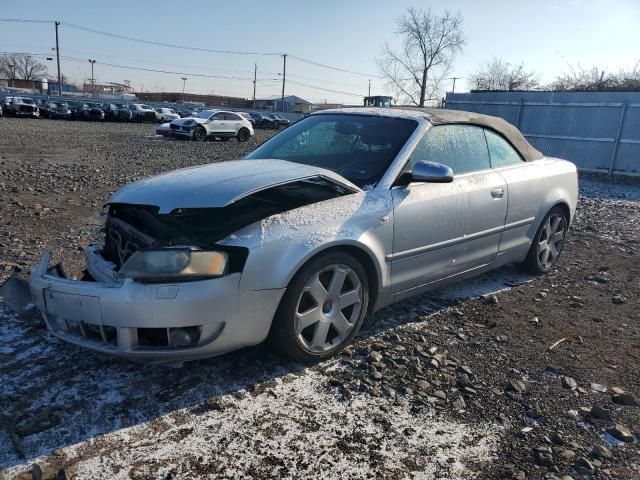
444	229
217	123
233	122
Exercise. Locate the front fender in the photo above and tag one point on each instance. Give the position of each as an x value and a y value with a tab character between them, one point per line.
281	244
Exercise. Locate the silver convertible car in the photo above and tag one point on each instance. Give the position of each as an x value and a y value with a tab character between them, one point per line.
342	213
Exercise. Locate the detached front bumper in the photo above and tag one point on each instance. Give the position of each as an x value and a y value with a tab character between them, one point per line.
134	320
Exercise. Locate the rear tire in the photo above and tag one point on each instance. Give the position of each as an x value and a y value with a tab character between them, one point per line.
243	135
547	244
322	309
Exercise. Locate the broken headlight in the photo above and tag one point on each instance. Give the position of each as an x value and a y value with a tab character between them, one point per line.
174	264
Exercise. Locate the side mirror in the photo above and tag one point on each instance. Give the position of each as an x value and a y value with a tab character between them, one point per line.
431	172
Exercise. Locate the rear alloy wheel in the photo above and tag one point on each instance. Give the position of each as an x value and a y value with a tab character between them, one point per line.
199	134
548	242
243	135
322	309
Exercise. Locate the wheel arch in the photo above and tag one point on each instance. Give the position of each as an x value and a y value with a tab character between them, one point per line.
360	252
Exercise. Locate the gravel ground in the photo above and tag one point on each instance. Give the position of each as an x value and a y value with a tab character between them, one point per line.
458	383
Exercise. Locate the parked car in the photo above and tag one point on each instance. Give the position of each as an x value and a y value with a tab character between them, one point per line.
339	215
6	105
278	120
164	114
55	110
86	111
164	129
261	121
187	112
117	112
212	123
248	116
142	112
23	107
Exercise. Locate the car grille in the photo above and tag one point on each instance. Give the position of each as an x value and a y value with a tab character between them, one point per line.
102	335
150	116
174	127
26	108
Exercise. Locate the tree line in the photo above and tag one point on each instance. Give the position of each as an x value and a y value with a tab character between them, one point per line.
20	66
418	70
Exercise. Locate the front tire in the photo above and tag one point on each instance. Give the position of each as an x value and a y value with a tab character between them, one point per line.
322	309
243	135
547	243
200	134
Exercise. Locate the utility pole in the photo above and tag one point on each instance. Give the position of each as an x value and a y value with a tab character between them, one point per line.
369	87
255	75
58	55
453	90
284	76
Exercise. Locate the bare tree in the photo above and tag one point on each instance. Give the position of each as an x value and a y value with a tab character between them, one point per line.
428	45
21	66
7	67
629	79
496	74
583	79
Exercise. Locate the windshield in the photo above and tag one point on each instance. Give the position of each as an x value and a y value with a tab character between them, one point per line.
54	105
205	114
26	101
358	147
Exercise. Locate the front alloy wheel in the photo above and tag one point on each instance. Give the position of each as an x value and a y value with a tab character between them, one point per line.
199	134
322	308
328	309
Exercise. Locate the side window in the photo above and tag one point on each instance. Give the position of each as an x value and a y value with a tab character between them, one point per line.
501	151
461	147
218	116
231	116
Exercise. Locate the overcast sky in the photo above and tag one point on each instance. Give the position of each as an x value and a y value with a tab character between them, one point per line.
549	36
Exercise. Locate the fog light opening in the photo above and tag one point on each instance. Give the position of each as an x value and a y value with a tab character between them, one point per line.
184	337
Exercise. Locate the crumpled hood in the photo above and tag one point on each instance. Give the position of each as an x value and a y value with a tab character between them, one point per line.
217	184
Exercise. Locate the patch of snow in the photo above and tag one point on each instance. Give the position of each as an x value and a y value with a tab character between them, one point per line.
293	430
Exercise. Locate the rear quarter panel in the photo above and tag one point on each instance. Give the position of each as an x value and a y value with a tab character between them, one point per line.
533	189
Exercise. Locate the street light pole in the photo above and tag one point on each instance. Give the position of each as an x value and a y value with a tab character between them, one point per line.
255	74
58	55
93	81
184	83
369	87
284	76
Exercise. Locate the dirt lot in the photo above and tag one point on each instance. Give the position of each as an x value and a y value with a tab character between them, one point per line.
459	383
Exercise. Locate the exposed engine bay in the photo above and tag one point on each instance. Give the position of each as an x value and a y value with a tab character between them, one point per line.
130	227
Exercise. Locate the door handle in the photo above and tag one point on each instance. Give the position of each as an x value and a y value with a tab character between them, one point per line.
497	193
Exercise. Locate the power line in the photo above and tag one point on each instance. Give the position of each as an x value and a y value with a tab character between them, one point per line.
325	89
185	47
130	67
163	44
333	68
21	20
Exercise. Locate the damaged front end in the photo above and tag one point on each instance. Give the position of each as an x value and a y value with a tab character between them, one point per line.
163	288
